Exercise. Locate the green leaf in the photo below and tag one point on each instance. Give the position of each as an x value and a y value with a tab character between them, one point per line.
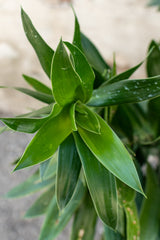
125	193
55	130
101	184
41	112
150	213
69	166
110	151
153	61
31	185
56	221
66	83
133	228
43	168
73	118
43	51
77	32
87	119
41	205
109	234
127	91
84	215
4	129
83	69
93	56
37	85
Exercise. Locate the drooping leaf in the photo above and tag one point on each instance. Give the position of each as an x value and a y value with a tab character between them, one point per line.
41	112
150	213
66	83
69	166
56	221
153	61
84	221
110	151
127	91
41	205
83	69
31	185
94	57
46	141
87	119
43	51
101	184
37	85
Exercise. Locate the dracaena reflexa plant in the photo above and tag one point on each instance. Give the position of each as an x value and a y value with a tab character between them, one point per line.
84	169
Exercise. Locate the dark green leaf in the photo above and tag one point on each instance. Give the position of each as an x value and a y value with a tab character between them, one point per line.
153	61
101	184
83	69
37	85
77	33
93	56
46	141
55	221
110	151
69	166
43	51
150	213
127	91
87	119
84	221
109	234
40	206
66	83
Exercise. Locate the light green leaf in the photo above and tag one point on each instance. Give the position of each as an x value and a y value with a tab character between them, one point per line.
87	119
43	168
150	213
43	51
55	130
83	69
73	117
127	91
41	205
109	234
69	166
101	184
56	221
4	129
41	112
110	151
37	85
66	83
84	215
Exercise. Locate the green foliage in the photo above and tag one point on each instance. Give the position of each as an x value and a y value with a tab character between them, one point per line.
92	140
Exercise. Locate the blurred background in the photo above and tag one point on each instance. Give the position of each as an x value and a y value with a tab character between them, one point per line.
125	27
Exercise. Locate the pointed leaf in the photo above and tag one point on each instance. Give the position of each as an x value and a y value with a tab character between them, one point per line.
101	184
43	51
93	56
150	213
110	151
56	221
127	91
46	141
41	112
77	32
66	83
37	85
41	205
83	69
87	119
84	215
69	166
153	61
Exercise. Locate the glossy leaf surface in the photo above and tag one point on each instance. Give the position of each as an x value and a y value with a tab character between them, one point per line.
87	119
43	51
150	213
55	221
110	151
37	85
40	206
101	184
127	91
83	69
84	221
55	130
69	166
66	83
